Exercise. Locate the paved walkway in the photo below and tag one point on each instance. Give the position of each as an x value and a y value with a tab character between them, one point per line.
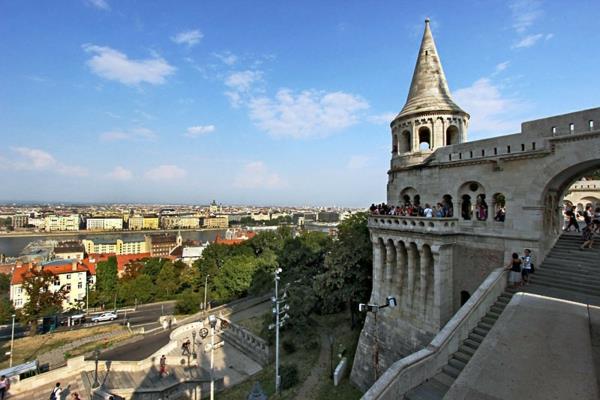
540	349
318	372
70	384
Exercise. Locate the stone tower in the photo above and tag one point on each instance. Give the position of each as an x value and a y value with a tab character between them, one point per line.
430	118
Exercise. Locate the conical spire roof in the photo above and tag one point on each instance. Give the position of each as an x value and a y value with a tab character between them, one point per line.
428	89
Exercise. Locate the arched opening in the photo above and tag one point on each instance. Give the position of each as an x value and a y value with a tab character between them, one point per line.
408	195
404	145
499	207
464	297
481	208
395	143
473	201
447	206
451	135
417	200
424	139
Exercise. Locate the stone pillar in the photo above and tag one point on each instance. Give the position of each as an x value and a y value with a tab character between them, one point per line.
437	133
462	130
400	275
390	269
377	268
412	267
423	281
442	286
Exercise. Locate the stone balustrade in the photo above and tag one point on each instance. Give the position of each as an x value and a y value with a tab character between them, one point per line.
245	341
415	224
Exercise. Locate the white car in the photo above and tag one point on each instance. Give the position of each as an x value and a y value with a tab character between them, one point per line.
107	316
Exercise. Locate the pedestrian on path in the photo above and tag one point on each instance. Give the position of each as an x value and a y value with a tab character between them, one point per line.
75	396
572	220
527	268
514	266
56	392
4	386
588	237
163	365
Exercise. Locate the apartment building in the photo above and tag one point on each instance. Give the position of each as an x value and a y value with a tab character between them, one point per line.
220	222
104	224
112	246
143	222
180	222
54	223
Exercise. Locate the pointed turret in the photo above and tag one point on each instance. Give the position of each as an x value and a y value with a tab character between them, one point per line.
428	89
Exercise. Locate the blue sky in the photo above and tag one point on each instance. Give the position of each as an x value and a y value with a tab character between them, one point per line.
263	102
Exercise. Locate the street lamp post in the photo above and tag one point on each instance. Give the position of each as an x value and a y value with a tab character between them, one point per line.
212	320
12	340
194	344
96	355
205	308
277	301
331	341
374	308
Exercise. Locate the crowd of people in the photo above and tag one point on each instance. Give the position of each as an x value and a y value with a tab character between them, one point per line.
591	219
440	210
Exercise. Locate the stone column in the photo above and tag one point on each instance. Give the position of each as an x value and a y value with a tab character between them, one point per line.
390	270
400	275
424	268
462	130
443	295
412	266
377	268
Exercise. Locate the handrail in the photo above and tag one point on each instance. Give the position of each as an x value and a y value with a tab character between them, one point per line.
433	357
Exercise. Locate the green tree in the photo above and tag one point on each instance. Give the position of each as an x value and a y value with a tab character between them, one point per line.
346	279
188	302
234	277
4	284
42	300
6	310
167	281
140	289
106	280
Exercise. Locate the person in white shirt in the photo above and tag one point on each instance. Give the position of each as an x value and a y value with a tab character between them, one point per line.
428	212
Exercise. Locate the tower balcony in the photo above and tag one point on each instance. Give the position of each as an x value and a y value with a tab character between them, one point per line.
439	226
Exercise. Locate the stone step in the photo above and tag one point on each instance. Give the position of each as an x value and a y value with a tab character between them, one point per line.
466	349
489	320
475	337
567	286
444	378
429	390
576	256
576	276
498	308
563	280
456	363
483	325
564	294
471	343
462	356
480	332
450	370
579	270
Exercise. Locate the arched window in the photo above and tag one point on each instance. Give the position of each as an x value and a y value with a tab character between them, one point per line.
424	138
395	143
451	135
481	208
466	207
409	196
404	145
499	207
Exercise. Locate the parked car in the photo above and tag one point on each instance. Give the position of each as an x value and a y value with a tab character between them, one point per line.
107	316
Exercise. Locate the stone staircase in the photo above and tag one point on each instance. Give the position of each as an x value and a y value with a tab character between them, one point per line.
436	387
569	273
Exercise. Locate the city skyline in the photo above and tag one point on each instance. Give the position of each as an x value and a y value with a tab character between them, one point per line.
109	102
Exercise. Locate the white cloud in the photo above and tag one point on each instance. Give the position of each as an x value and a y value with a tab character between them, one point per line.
199	130
166	173
227	57
357	162
132	134
306	114
242	81
528	41
189	38
113	65
30	159
490	111
99	4
256	175
120	174
381	119
501	67
525	13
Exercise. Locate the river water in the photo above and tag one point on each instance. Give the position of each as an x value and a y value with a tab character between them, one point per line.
12	246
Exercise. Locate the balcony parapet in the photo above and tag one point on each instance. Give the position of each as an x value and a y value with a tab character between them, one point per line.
440	226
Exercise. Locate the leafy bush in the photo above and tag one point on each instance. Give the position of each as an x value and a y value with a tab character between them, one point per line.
187	303
289	376
289	347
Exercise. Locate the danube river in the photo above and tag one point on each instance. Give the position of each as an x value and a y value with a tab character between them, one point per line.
11	246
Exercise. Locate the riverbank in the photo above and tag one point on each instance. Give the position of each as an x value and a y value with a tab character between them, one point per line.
98	233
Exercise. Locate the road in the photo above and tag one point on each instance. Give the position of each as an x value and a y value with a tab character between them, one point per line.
145	315
151	343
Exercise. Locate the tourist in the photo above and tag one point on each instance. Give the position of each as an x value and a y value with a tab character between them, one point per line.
588	237
596	220
185	348
514	266
527	266
163	365
4	386
75	396
588	214
481	208
427	211
56	392
570	213
500	214
439	211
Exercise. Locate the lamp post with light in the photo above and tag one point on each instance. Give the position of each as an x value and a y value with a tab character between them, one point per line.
212	320
277	301
390	301
12	340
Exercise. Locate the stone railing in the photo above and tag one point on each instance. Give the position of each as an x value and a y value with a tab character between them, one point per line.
245	341
409	372
414	224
